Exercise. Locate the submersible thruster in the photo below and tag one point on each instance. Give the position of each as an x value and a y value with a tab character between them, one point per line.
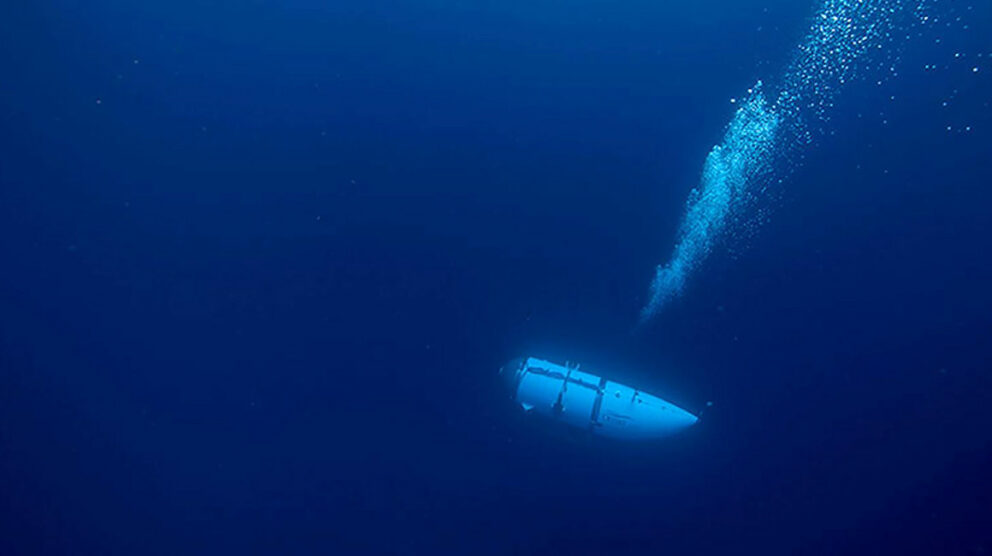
586	401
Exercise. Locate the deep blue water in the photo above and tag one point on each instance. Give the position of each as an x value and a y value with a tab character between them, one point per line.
262	260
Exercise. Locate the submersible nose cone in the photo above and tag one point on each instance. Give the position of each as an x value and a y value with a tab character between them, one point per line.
687	419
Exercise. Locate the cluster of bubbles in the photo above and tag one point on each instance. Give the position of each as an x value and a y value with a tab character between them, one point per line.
744	157
848	40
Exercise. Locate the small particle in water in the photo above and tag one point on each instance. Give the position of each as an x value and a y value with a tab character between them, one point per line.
135	61
99	101
733	101
974	69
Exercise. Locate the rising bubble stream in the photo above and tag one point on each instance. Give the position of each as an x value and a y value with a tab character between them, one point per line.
848	40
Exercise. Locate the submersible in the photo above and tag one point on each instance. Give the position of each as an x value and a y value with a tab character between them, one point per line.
587	401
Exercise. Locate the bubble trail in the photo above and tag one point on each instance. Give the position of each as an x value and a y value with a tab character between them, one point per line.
847	40
742	158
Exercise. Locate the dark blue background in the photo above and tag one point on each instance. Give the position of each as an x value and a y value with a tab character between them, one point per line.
261	261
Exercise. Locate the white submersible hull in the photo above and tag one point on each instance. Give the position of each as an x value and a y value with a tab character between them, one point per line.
586	401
